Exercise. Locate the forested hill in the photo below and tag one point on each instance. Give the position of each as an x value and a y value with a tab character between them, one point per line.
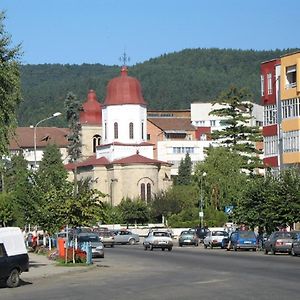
171	81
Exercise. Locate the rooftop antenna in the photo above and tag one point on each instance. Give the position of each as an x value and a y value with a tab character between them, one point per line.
124	58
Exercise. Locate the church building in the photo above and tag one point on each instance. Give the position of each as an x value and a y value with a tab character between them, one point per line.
115	151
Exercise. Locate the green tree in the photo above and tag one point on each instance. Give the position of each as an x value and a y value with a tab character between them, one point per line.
134	211
18	182
238	134
7	210
185	171
10	95
223	183
73	108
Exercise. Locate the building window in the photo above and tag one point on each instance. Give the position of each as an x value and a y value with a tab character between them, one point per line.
148	136
291	141
270	115
142	130
148	192
270	145
143	192
291	76
262	85
269	78
212	123
131	130
116	130
183	150
290	108
105	130
96	142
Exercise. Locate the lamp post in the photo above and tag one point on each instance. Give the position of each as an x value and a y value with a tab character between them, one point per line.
201	214
111	190
34	133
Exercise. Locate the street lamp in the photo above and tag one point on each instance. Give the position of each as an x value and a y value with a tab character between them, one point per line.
201	214
34	133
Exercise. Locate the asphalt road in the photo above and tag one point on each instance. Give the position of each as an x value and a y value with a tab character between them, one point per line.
129	272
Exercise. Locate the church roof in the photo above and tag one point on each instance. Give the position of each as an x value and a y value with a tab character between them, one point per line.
173	124
138	159
124	89
91	110
24	137
129	160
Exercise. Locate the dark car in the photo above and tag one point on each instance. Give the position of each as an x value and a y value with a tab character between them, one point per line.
13	256
279	241
242	239
188	237
201	232
296	244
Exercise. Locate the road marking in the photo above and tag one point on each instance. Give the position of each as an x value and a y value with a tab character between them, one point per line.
209	281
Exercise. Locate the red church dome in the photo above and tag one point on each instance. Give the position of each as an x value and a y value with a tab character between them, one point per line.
92	110
124	90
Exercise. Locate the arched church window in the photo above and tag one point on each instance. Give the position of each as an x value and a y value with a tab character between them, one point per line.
148	192
96	142
131	130
143	192
116	130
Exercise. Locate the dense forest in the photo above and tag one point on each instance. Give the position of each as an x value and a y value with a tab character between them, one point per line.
171	81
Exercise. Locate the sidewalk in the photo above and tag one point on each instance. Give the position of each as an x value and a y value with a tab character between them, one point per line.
41	267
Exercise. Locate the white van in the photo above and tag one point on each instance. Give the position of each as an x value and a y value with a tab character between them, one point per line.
13	256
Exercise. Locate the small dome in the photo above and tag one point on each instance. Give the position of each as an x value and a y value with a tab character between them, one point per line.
92	110
124	90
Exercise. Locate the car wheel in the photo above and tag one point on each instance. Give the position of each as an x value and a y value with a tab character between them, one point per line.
170	249
131	242
196	245
293	252
180	245
13	279
210	246
266	251
205	246
151	247
273	252
254	249
145	247
162	249
235	248
112	245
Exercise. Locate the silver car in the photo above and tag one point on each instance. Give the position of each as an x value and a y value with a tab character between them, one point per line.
94	240
126	237
158	239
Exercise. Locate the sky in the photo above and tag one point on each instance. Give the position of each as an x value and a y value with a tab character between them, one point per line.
100	31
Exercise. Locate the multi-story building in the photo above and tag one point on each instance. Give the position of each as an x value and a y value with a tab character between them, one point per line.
270	83
280	95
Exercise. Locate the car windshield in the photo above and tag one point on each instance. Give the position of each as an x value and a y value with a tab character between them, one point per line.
88	238
247	234
160	233
219	233
284	234
186	233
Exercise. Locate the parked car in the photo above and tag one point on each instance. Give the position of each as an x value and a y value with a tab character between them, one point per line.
215	239
242	239
93	238
201	232
13	256
188	237
158	239
126	237
107	237
279	241
295	250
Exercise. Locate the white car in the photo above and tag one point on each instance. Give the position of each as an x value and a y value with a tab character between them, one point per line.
158	239
215	238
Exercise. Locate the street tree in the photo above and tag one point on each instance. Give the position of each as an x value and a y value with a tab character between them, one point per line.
238	134
223	183
134	211
10	95
7	210
185	171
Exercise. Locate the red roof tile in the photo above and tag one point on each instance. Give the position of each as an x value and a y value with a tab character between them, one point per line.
173	124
